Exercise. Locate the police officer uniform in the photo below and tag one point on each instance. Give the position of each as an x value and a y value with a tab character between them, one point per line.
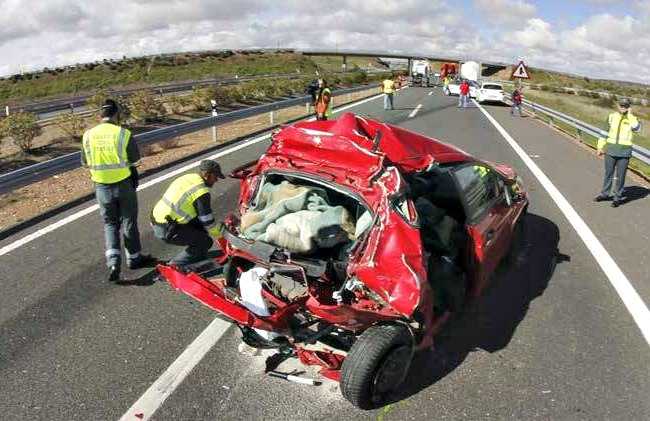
184	216
617	148
109	154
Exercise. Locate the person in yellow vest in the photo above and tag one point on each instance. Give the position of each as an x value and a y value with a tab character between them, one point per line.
617	148
323	105
111	156
183	216
388	88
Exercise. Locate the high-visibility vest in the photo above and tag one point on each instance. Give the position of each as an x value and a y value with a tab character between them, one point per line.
177	203
320	103
104	147
389	86
620	130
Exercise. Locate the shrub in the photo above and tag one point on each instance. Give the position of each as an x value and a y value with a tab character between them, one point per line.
22	128
200	99
72	125
97	100
144	106
606	102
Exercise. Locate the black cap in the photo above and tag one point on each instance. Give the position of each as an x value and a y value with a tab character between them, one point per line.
212	167
109	108
624	102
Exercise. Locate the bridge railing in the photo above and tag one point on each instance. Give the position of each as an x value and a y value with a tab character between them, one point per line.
33	173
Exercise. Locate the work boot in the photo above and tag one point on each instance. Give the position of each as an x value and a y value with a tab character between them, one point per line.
144	261
114	273
602	198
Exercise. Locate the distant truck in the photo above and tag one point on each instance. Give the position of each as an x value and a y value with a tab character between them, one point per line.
421	74
470	70
448	69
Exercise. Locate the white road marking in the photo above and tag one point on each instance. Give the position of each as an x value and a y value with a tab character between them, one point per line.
430	93
415	111
85	211
633	302
160	390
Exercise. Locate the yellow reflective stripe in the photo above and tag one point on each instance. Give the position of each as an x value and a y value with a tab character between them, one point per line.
177	207
121	147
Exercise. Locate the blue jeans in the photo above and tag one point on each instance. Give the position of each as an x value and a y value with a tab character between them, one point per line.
463	100
388	102
118	206
512	109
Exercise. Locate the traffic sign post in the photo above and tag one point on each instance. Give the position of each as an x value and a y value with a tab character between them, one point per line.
520	72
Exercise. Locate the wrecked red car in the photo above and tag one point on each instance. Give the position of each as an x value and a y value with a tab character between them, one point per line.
353	242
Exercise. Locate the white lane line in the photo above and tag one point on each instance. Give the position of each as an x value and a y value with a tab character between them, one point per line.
85	211
415	111
615	275
160	390
430	93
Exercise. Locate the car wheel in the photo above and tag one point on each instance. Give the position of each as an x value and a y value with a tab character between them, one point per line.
376	365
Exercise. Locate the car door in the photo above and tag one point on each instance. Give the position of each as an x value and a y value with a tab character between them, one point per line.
487	218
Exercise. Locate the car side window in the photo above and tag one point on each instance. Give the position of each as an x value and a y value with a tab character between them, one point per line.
479	187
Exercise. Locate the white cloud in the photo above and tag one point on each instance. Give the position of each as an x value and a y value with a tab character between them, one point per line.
506	12
60	32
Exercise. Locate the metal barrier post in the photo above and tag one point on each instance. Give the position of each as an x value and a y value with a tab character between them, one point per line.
271	117
7	110
213	102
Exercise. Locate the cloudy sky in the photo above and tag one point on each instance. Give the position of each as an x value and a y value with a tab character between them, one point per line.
598	38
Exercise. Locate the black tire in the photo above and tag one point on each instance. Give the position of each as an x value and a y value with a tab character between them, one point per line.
376	365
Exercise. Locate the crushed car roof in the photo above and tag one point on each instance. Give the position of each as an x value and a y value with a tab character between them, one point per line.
362	145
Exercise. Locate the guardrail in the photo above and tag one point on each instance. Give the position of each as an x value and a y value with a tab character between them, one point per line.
74	102
33	173
639	152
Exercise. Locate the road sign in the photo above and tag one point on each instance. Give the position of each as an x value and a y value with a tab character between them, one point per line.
521	72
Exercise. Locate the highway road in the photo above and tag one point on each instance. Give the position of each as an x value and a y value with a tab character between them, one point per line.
551	339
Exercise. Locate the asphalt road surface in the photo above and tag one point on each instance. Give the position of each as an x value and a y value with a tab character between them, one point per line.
551	338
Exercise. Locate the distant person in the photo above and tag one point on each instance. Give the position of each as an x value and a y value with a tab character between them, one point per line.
312	91
617	148
111	156
323	104
388	88
463	97
517	99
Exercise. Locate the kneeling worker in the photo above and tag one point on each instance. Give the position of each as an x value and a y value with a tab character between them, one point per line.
183	216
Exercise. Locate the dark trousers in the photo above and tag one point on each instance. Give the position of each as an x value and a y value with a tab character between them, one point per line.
194	237
118	206
618	164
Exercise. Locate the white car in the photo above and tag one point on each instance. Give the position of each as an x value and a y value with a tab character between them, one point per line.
492	92
454	88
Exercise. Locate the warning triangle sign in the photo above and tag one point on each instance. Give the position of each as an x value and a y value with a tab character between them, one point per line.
521	71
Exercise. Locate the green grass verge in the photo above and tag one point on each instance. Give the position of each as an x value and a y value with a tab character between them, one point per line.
150	71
